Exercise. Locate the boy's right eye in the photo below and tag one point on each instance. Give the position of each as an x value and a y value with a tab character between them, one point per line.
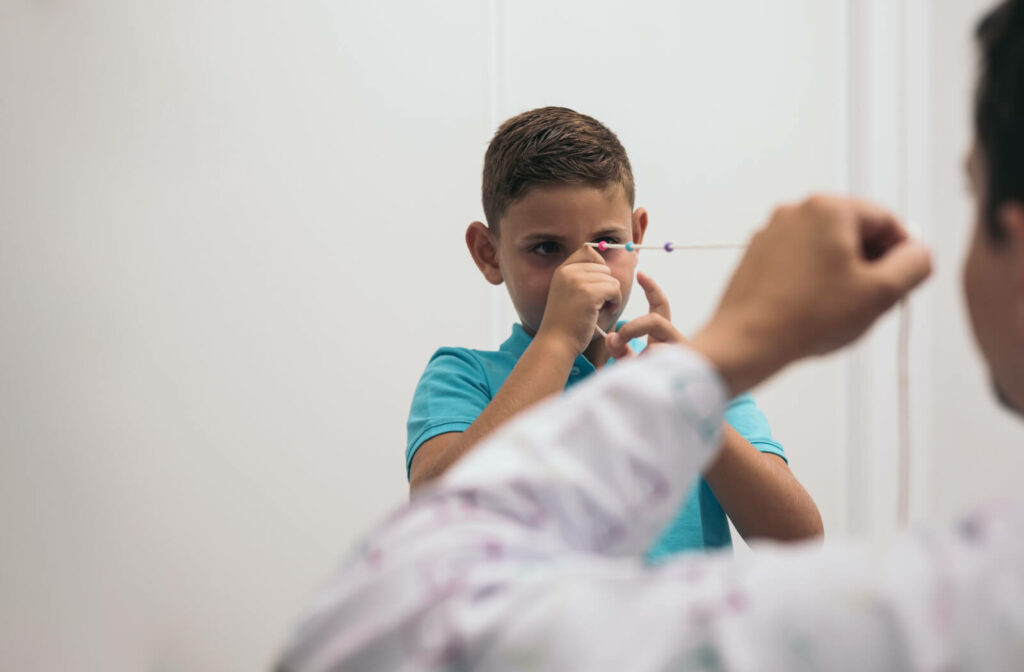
545	249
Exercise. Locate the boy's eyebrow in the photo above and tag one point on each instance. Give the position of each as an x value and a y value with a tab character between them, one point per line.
542	235
610	231
552	236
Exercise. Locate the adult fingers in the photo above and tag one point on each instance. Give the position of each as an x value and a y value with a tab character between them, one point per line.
901	268
878	229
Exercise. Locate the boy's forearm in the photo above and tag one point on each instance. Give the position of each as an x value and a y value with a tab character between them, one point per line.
760	494
541	371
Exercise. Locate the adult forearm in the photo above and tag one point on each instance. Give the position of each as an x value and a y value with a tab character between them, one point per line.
511	556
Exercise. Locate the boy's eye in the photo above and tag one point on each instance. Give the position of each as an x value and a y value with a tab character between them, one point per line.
611	240
546	248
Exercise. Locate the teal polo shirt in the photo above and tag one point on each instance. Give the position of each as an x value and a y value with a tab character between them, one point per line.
458	383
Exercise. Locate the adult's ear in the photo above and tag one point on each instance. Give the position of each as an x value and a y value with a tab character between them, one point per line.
484	249
1010	218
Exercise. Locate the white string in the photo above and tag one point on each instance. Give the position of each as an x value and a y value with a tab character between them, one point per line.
668	247
903	427
708	246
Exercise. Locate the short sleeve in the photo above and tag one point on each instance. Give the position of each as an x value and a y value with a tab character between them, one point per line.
747	419
451	394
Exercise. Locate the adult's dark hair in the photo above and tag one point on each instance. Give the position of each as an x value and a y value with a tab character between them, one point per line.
999	109
550	146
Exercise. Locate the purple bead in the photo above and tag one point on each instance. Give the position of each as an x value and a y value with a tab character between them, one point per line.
668	247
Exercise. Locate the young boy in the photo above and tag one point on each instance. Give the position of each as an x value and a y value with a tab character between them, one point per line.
554	180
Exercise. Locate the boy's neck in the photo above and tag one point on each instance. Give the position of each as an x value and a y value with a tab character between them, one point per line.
596	353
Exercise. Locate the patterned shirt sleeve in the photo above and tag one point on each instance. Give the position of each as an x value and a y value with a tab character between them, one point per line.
528	556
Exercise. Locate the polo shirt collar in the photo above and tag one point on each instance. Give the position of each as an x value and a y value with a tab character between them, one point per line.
517	343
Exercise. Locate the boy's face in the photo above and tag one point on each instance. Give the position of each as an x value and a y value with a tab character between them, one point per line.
539	232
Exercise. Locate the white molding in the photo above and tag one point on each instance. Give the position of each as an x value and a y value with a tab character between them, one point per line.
886	98
843	164
500	305
919	215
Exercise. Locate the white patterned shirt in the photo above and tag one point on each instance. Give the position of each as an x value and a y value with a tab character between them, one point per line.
528	555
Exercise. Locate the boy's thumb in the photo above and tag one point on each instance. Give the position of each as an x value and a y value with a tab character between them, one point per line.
617	345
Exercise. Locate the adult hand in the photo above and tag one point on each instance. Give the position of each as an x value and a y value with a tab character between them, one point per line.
811	281
580	288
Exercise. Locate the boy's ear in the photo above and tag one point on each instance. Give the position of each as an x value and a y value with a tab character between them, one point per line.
639	229
639	225
484	249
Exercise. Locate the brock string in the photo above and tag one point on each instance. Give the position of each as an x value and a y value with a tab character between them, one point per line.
902	356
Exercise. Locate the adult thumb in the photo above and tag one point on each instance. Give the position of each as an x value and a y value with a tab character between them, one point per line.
902	268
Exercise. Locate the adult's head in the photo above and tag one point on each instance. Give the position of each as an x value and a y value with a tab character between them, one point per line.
994	268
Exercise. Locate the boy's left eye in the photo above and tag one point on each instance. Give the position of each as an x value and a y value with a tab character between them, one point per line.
611	240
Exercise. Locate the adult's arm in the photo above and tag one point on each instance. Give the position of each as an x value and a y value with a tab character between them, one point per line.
527	555
590	476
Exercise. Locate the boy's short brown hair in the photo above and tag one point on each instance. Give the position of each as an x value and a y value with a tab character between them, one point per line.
550	146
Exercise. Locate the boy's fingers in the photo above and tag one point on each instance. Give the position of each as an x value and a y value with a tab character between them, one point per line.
651	324
588	267
586	254
656	298
618	347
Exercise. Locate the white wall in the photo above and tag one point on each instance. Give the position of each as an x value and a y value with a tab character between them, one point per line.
228	244
230	238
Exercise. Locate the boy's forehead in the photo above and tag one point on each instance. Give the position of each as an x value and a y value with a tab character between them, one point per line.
569	205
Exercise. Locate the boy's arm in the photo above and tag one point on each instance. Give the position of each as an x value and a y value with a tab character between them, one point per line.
579	288
756	490
541	371
759	493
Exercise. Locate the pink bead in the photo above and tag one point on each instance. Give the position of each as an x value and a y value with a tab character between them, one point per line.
602	246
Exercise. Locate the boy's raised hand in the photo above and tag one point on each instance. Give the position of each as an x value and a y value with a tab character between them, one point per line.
580	287
656	325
